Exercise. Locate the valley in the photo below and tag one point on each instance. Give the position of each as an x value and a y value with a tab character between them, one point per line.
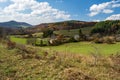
51	53
59	39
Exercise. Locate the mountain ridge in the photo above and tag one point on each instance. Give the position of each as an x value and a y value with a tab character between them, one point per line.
14	24
73	24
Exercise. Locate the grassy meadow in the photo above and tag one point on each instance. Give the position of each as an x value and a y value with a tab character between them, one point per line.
79	47
87	48
18	40
69	61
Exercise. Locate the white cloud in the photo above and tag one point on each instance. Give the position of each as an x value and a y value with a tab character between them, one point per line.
96	20
93	13
114	17
106	7
32	11
3	0
116	5
107	11
59	1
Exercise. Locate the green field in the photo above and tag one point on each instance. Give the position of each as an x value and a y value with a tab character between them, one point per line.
87	48
18	40
24	40
79	47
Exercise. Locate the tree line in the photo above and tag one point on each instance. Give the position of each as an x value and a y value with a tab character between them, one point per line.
107	27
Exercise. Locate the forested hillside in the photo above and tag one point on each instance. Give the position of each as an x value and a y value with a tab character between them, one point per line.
65	25
107	27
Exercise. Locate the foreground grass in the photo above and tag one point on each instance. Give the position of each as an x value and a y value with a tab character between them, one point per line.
56	66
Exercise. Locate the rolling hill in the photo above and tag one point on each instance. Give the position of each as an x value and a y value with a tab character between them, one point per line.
64	25
14	24
72	24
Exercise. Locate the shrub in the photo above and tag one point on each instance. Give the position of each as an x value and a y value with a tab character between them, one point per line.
116	61
41	43
74	74
59	40
88	38
117	39
27	51
66	40
109	39
31	41
118	32
72	39
98	40
3	32
11	45
54	42
30	36
47	32
106	39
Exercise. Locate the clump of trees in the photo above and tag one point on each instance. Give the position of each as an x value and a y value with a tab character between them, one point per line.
107	30
31	41
107	27
3	32
47	32
105	39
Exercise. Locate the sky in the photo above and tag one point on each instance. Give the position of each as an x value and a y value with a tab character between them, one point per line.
46	11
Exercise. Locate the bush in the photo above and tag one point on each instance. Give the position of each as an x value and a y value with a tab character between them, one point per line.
54	42
60	39
98	40
116	61
72	39
11	45
74	74
88	38
106	39
117	39
47	32
31	41
66	40
109	40
27	52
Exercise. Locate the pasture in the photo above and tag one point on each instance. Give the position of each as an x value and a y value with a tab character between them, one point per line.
79	47
87	48
18	40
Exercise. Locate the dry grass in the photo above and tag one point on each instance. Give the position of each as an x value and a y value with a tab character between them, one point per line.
52	65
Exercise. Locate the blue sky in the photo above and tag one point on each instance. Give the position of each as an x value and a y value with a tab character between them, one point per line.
45	11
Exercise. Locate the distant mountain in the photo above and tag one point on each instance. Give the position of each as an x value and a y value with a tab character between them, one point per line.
14	24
